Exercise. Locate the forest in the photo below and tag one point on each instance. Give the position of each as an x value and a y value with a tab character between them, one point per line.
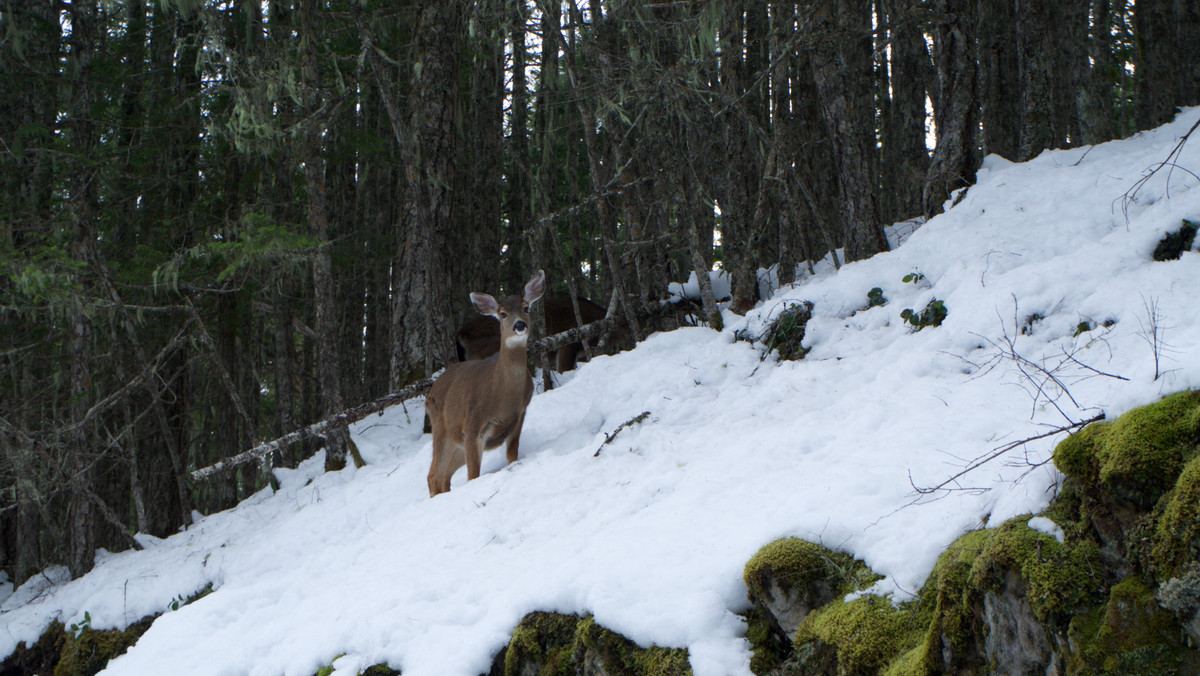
223	221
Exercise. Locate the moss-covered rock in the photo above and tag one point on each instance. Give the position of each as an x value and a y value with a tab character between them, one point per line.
862	636
1130	634
601	652
1176	539
1000	599
1137	457
791	577
550	644
1121	470
75	651
543	644
1060	577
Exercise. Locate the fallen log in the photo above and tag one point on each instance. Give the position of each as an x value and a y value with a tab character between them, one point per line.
353	415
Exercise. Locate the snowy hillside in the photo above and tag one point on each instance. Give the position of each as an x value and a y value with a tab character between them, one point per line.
650	532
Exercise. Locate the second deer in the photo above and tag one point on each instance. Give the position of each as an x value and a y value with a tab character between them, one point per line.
477	405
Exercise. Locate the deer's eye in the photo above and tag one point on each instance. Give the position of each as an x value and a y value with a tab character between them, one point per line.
503	314
525	308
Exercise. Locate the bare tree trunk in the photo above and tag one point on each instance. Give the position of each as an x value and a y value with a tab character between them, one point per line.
1035	49
422	336
79	442
841	44
955	159
998	77
905	156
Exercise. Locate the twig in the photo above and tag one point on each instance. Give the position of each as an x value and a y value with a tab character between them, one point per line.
1001	451
608	438
1131	194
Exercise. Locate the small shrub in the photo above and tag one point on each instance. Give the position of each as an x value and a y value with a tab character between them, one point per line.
1172	246
786	335
875	298
933	315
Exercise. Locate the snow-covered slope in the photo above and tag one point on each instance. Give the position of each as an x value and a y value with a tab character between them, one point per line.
650	534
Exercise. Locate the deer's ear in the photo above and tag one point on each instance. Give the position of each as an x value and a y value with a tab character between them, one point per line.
485	304
535	287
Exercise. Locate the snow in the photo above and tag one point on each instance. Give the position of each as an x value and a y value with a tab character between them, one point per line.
1043	525
650	532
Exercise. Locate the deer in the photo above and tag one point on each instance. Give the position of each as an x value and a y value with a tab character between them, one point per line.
479	338
475	406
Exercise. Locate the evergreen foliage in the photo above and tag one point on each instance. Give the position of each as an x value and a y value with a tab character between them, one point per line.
221	221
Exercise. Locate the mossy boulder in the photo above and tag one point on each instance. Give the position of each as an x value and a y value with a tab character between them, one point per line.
553	644
1121	470
1176	535
602	652
75	651
1000	600
862	636
1137	457
791	577
1130	634
543	644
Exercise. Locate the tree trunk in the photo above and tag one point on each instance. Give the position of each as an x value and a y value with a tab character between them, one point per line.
422	337
840	55
955	158
905	155
1167	59
80	514
998	78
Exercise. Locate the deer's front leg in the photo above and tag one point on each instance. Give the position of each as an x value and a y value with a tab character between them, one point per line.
514	440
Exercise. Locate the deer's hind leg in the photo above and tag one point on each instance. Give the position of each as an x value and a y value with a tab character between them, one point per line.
447	458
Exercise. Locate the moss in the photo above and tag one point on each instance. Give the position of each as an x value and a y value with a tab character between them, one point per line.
796	562
380	669
1130	634
865	635
86	651
954	626
1075	456
40	657
1140	454
768	647
1176	537
542	641
911	663
616	655
1144	450
1062	577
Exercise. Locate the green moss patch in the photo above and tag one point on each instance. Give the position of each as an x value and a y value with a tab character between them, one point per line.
542	644
599	650
77	651
1130	634
1061	577
1176	539
792	562
1137	457
553	644
862	636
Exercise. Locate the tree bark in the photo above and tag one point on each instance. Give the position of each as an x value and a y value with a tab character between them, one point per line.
955	158
841	45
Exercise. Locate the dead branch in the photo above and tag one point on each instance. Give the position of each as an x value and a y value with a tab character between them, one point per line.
608	438
1170	163
979	462
344	418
